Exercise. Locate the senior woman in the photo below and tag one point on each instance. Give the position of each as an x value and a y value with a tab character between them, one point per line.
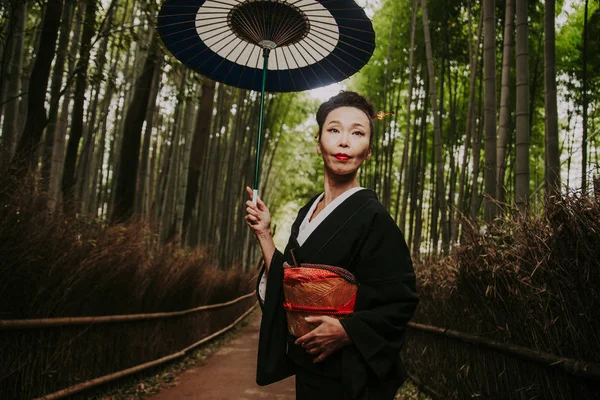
352	348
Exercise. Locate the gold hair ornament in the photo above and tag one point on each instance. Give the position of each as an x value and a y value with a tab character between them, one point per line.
381	114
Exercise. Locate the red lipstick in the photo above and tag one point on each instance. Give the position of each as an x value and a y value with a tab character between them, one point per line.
342	156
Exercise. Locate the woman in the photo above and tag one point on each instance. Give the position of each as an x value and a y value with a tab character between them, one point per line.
356	357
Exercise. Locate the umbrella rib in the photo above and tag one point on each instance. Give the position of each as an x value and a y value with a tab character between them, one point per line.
251	24
185	22
255	69
344	26
280	51
257	27
343	34
291	30
296	2
278	71
302	55
315	50
242	52
299	69
338	18
258	59
310	65
264	25
289	70
224	3
326	59
290	33
322	57
197	54
312	5
269	27
289	27
321	2
176	32
186	14
328	9
213	12
237	58
348	44
181	6
195	44
248	26
223	30
217	53
341	59
211	24
277	32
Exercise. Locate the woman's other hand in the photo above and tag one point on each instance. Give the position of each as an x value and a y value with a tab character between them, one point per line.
257	216
325	339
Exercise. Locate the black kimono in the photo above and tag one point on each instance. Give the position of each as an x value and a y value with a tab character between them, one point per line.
360	236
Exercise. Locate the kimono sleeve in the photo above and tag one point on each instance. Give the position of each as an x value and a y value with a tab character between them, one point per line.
386	297
272	362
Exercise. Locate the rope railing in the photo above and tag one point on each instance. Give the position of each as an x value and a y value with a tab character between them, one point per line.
568	365
10	324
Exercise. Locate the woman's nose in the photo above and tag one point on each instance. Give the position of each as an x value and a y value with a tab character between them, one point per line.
343	140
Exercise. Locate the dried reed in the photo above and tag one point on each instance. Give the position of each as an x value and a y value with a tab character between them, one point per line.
54	265
534	282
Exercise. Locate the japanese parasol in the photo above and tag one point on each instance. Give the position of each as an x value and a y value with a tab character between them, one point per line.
268	45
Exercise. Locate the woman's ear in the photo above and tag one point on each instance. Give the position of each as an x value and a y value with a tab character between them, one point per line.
319	147
369	152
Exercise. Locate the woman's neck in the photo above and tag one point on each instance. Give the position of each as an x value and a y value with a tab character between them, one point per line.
336	185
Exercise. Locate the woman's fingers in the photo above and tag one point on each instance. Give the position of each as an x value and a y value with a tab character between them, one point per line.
261	205
252	211
321	357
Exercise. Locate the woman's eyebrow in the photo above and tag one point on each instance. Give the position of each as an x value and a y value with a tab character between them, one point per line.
338	122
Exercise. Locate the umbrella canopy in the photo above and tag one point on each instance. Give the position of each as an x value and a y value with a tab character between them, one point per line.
311	43
303	44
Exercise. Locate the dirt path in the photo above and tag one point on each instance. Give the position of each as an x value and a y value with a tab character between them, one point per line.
229	374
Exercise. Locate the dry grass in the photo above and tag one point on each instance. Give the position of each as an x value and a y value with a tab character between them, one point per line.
530	282
52	265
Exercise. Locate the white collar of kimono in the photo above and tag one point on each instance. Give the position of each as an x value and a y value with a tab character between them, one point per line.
307	227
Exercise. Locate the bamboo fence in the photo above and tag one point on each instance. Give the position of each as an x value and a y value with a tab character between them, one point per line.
52	358
568	365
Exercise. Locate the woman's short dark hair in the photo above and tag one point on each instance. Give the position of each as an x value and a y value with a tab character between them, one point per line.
346	99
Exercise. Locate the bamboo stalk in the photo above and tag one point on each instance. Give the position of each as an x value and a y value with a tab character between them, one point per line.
568	365
116	375
8	324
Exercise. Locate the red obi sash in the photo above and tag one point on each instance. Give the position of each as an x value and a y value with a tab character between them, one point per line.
314	289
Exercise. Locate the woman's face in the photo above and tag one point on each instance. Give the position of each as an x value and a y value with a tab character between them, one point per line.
344	142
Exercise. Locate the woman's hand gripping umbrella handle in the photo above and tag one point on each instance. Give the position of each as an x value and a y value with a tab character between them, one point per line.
258	219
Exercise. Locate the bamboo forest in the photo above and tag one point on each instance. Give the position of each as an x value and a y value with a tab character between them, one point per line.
128	268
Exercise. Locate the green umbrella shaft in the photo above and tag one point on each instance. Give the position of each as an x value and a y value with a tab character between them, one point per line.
260	120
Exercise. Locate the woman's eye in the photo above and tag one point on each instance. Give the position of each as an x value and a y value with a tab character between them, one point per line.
333	130
358	132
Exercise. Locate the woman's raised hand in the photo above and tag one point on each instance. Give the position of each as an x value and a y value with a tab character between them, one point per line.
257	216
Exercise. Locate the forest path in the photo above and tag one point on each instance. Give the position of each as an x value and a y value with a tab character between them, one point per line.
230	373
